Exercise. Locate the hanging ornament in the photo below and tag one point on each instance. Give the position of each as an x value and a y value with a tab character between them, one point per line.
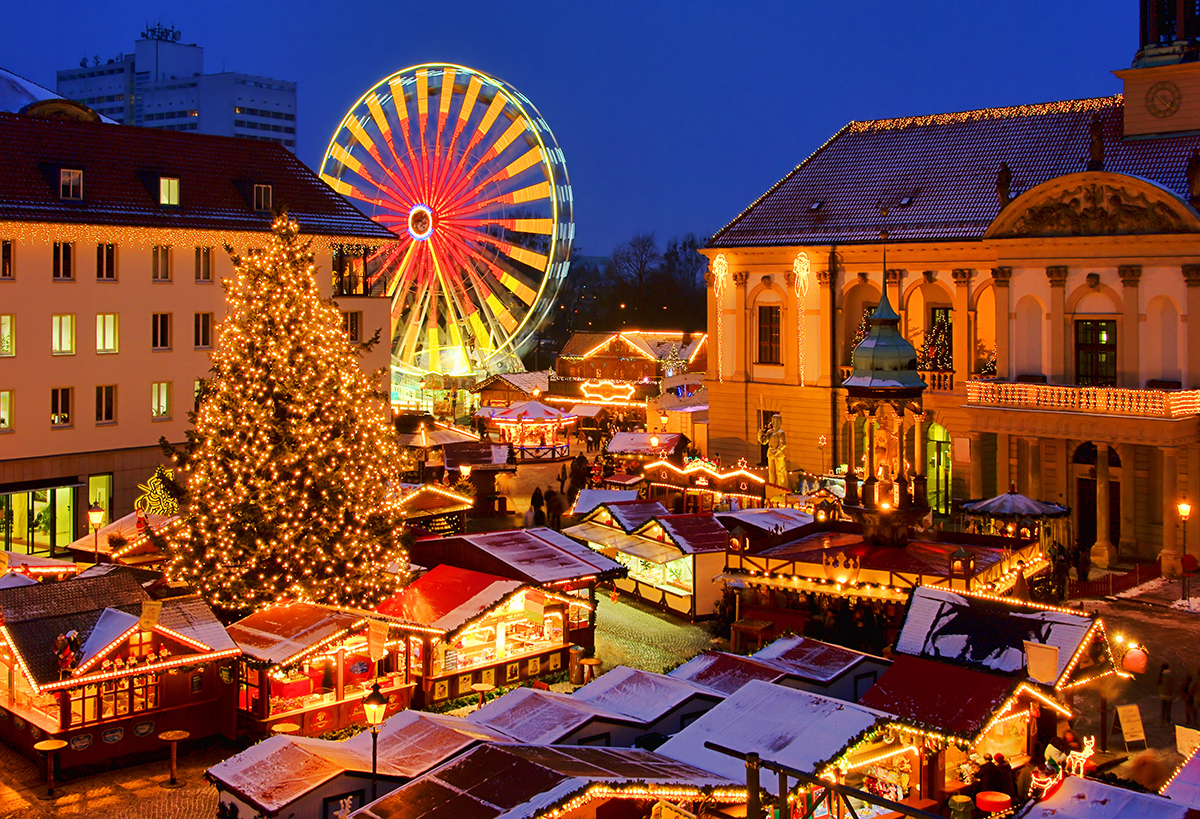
801	269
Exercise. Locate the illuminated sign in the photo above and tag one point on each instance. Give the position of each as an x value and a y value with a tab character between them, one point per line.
607	390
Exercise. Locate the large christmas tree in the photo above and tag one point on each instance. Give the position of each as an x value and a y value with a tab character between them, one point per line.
292	470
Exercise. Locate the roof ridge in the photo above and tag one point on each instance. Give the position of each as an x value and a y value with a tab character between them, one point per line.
1004	112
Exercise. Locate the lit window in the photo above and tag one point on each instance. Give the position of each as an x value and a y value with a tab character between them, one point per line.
353	325
6	259
168	190
106	404
8	334
262	197
160	263
6	408
60	406
64	253
106	332
203	330
106	262
70	184
160	337
204	264
62	330
160	399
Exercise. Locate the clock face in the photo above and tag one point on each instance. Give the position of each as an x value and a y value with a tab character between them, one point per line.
1163	98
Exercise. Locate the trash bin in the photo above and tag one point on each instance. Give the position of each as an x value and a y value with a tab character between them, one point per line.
574	669
961	807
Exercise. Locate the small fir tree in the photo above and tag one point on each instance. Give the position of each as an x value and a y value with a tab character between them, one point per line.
292	469
937	350
864	328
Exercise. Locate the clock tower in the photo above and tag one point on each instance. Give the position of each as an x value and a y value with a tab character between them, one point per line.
1162	89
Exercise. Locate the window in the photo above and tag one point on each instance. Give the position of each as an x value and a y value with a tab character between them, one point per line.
60	407
204	264
203	330
106	332
168	190
161	331
62	328
63	259
106	262
160	399
353	324
768	335
6	259
262	197
6	409
160	263
1096	353
8	334
106	404
70	184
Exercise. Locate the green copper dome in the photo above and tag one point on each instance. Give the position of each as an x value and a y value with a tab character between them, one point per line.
885	364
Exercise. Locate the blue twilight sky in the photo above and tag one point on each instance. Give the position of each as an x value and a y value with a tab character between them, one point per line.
673	116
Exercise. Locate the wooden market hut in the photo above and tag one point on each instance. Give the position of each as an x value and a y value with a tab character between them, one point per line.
702	486
311	665
464	627
436	509
646	448
98	663
538	717
663	703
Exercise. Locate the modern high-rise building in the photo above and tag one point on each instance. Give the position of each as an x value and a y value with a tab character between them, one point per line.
162	85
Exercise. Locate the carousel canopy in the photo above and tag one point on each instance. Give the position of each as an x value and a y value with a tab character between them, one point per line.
1012	504
530	411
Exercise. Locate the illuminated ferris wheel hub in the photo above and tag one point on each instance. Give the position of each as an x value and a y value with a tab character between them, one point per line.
466	173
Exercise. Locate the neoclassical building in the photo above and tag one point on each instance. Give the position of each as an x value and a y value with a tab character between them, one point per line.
1054	248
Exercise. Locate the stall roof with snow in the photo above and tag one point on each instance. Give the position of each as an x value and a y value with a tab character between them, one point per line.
771	520
523	782
1184	784
627	515
646	444
693	534
540	555
989	633
589	499
274	635
816	730
1088	799
725	673
809	659
412	743
642	695
483	456
544	717
447	597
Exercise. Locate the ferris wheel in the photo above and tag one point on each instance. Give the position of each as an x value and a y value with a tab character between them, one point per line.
466	173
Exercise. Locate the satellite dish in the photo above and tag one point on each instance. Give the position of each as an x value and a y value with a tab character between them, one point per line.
177	35
83	63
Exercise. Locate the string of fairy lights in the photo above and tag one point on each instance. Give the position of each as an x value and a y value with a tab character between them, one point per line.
292	473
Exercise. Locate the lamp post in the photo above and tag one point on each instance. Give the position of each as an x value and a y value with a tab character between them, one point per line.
1185	511
374	704
95	518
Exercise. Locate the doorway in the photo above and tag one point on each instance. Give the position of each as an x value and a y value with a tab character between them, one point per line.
1085	494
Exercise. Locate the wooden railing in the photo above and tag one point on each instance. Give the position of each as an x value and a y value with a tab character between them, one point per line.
935	380
1094	400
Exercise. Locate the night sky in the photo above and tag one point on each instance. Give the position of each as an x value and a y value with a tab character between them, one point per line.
673	116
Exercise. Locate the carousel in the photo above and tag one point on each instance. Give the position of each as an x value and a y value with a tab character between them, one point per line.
1015	515
535	431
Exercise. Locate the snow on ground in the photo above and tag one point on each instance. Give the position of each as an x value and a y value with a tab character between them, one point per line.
1149	586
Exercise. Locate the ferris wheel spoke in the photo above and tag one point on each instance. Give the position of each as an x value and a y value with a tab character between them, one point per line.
378	115
465	108
455	314
400	104
539	190
495	108
527	160
468	306
515	129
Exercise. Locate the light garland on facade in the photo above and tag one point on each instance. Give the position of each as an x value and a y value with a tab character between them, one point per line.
1061	107
99	655
720	271
731	795
702	466
865	763
800	269
150	668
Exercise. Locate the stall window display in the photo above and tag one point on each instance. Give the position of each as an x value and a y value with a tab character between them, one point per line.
525	625
675	575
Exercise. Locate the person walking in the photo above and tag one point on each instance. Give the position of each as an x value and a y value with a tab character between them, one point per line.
554	509
536	500
527	522
1167	690
562	478
1188	692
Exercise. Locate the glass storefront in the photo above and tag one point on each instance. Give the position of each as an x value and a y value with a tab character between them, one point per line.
39	521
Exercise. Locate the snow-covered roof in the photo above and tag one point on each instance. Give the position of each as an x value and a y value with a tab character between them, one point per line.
589	499
639	443
725	673
986	633
447	597
1184	784
1088	799
413	742
531	411
587	410
642	547
125	527
641	695
525	382
192	617
629	515
276	634
542	717
784	725
765	519
542	555
435	436
111	625
809	659
695	533
16	92
12	579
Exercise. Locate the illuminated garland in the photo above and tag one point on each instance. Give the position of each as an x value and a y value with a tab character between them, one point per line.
800	268
720	271
1094	104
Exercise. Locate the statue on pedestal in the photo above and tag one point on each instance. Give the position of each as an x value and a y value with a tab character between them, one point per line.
776	440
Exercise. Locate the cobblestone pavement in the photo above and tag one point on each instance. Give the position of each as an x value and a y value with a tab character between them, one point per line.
133	792
632	633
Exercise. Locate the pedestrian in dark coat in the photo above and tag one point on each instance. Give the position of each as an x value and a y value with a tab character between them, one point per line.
554	509
536	500
1006	780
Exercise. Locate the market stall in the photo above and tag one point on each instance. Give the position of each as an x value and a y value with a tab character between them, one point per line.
1016	515
436	509
700	485
465	628
311	665
535	430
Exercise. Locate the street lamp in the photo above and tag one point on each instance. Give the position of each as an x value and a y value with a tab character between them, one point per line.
1185	511
374	704
95	518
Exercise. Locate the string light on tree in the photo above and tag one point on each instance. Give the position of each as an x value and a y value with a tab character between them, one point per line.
292	471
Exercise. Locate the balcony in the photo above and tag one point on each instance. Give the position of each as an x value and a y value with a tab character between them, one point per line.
935	380
1088	400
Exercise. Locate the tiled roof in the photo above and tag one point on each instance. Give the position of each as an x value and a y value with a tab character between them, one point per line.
121	166
947	164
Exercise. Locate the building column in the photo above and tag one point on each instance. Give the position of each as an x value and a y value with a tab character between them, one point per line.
1003	462
828	354
1103	553
1129	544
962	325
1034	463
895	279
1058	348
868	499
976	464
1001	277
918	444
1191	277
1170	555
1129	374
741	334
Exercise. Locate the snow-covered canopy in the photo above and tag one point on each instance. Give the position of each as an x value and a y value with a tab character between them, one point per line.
543	717
1089	799
589	499
642	695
